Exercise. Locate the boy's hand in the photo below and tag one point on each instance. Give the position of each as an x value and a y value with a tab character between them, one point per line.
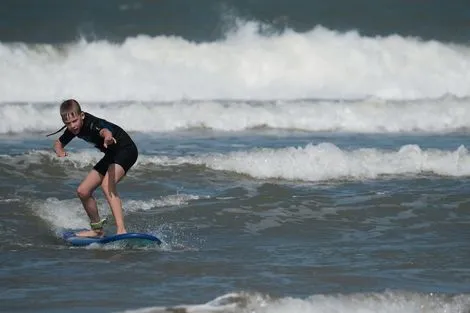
109	140
108	137
59	149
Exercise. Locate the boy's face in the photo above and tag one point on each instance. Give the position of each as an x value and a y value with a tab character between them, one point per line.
73	121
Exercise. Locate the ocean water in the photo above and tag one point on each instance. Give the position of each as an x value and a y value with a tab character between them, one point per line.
295	156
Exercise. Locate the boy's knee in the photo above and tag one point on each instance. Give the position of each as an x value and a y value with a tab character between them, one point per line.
83	193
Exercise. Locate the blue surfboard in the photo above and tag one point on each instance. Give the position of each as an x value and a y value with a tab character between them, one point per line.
71	238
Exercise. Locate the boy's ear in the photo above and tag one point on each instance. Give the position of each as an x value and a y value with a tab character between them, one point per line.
82	115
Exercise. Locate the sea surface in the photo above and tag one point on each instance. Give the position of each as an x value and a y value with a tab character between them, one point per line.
295	156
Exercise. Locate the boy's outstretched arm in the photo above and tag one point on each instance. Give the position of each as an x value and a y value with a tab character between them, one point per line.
59	149
108	137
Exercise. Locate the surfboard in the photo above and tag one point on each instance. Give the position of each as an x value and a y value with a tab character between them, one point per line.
137	238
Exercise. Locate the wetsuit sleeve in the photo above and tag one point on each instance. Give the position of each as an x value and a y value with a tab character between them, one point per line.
66	137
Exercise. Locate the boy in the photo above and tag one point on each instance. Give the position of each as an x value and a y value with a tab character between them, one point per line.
120	153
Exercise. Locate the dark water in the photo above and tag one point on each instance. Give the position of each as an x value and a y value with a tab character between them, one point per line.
400	237
53	21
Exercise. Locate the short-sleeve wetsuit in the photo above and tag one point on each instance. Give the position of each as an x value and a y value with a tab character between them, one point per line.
123	152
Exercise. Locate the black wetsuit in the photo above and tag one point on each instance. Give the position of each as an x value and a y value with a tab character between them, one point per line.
123	152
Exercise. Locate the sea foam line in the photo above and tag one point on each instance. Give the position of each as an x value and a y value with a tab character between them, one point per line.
312	162
385	302
364	116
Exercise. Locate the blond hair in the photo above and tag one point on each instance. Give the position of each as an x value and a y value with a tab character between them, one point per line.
69	109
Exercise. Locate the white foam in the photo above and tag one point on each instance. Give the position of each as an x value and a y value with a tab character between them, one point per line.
76	159
171	201
9	200
62	214
365	116
387	302
326	161
320	63
69	213
313	162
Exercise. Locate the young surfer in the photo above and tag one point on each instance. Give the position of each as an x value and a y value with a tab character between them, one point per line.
120	154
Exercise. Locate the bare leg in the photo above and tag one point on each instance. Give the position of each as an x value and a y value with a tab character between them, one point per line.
114	174
85	193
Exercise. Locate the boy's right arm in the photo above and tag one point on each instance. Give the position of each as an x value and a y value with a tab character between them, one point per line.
59	148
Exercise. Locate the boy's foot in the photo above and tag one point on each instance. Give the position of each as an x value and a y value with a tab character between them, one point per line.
121	231
90	233
95	231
